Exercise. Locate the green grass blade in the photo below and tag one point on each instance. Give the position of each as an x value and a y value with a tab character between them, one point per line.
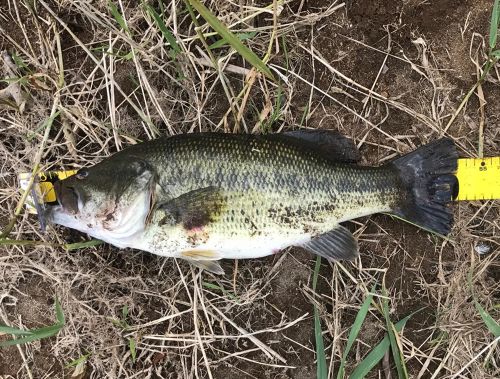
81	245
211	286
222	289
19	62
321	368
59	313
132	347
396	353
234	41
117	323
164	30
46	124
46	330
4	329
353	334
38	334
378	352
495	19
489	321
118	16
222	42
79	360
124	312
496	54
17	341
372	359
35	334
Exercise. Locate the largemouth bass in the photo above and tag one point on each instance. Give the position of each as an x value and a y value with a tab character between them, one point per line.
208	196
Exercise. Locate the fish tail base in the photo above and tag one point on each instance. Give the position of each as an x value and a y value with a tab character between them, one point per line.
428	176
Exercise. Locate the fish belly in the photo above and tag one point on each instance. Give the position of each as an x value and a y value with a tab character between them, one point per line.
222	244
252	247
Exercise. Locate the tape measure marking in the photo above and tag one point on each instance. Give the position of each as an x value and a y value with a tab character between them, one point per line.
478	178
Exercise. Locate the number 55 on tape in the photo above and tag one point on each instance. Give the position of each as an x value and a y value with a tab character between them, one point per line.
478	178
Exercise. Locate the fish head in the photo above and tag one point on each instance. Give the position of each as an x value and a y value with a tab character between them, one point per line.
110	201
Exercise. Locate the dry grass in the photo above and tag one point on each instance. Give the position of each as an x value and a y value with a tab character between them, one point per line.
110	86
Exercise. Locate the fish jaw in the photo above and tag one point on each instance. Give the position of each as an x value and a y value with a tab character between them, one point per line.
60	216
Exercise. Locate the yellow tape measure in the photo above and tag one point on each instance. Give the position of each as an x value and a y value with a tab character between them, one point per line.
478	178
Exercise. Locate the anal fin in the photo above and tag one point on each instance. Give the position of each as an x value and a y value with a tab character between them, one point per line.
337	244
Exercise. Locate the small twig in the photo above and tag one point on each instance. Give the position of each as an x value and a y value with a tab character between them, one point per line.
196	326
482	103
460	107
235	275
229	67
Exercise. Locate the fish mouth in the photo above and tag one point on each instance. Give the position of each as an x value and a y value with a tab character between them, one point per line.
67	197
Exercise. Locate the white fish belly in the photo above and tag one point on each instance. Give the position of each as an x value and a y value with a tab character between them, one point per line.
252	247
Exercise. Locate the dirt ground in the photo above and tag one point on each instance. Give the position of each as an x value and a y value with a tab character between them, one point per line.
388	74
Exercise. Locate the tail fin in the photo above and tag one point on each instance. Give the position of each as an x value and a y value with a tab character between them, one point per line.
428	175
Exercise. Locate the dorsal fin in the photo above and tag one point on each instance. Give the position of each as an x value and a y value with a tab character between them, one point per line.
331	144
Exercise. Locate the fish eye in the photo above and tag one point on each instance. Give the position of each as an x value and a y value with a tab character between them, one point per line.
82	174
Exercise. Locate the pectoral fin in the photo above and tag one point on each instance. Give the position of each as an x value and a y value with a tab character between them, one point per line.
337	244
196	208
